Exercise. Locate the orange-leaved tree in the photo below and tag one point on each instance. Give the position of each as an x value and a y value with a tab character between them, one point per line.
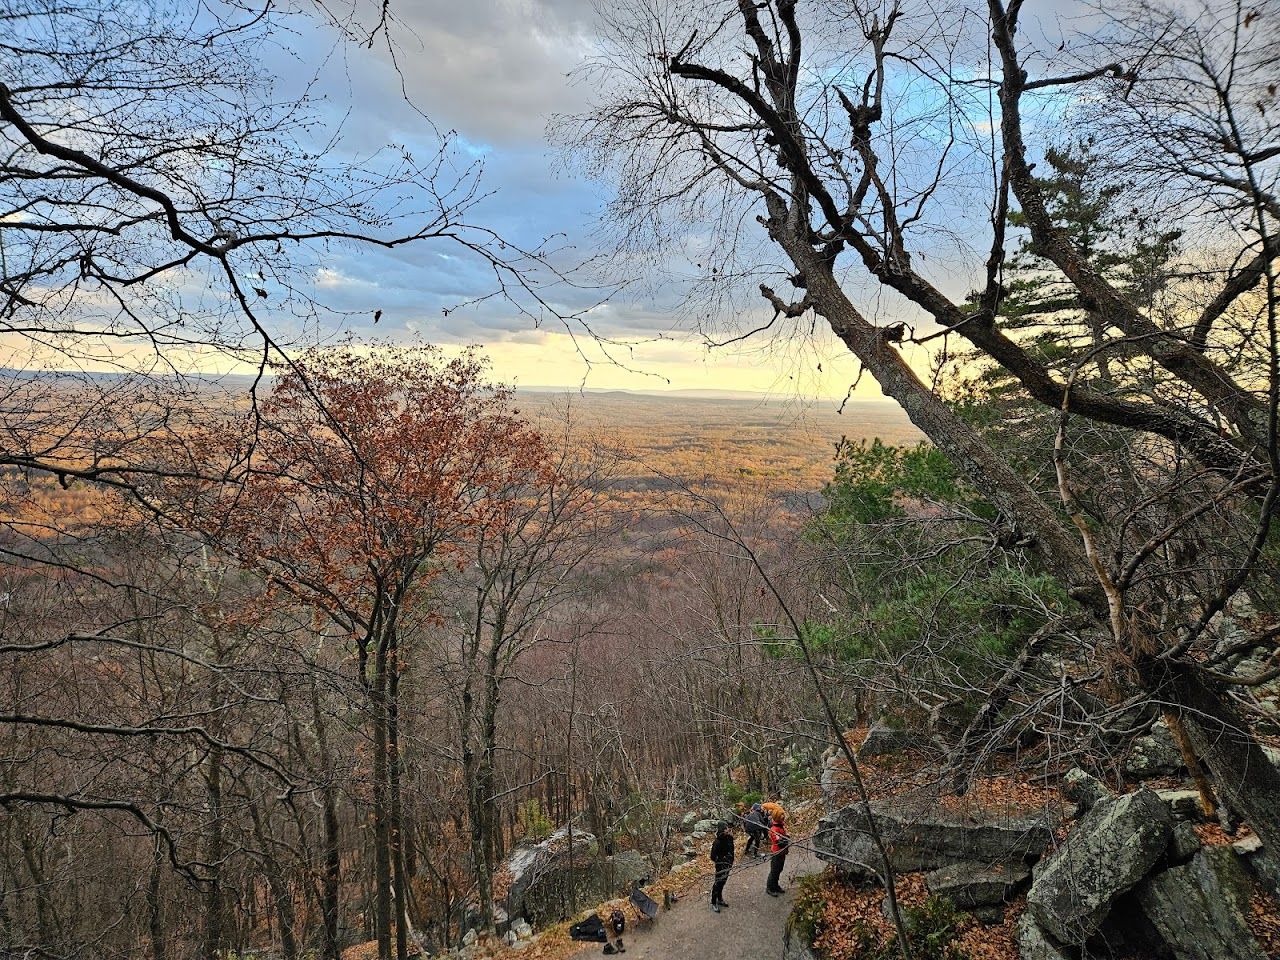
365	476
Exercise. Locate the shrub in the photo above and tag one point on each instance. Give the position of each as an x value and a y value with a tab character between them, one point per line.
805	920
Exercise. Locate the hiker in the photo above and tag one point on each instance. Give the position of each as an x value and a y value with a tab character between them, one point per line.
722	857
779	842
756	824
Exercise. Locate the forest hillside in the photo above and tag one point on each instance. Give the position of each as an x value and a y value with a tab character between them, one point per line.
899	579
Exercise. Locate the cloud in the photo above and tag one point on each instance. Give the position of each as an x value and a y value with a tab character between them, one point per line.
327	278
495	71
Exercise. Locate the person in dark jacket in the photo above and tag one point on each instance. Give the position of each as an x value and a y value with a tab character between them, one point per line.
756	823
722	857
779	843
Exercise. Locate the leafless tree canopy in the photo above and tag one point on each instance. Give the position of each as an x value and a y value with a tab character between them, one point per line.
898	150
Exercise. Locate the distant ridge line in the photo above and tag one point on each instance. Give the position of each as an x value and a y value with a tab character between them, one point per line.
622	393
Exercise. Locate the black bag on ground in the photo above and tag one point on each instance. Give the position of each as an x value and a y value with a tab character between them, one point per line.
591	930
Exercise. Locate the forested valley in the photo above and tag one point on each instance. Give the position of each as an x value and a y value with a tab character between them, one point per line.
327	637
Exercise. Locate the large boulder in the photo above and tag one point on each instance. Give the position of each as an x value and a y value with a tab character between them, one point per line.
1112	849
1084	790
834	778
1035	944
971	886
1197	911
1261	863
1184	843
623	870
551	879
1184	804
882	739
1154	755
925	838
794	947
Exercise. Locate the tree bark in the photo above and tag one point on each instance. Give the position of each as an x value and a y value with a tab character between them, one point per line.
214	935
332	852
1243	772
396	825
1056	548
381	811
155	907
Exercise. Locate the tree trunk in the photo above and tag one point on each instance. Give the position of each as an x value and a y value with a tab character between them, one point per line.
396	824
281	896
155	906
45	922
1054	544
214	935
332	873
381	809
1242	771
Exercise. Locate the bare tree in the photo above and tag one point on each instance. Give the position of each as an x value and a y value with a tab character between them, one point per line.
855	134
519	577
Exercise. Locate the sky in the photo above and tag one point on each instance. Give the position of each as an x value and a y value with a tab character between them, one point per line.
496	73
495	80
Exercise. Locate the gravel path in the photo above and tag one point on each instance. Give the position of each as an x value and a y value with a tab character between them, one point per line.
750	928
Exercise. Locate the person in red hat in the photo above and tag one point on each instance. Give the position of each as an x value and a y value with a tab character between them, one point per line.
779	843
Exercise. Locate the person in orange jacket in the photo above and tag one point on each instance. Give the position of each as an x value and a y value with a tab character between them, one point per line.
779	843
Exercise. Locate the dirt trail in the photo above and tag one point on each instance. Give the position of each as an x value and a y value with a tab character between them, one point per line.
750	928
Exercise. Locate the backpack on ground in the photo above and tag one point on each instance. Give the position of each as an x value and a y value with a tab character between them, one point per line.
590	930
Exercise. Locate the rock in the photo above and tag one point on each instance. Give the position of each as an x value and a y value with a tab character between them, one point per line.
1273	754
1260	863
973	885
925	838
1183	804
520	927
1106	855
698	835
1084	790
1035	944
1184	843
624	869
705	827
469	937
1154	755
689	820
794	947
882	739
541	876
500	917
510	938
834	778
1197	911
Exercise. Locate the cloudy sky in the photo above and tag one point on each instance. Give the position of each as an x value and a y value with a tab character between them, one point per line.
497	73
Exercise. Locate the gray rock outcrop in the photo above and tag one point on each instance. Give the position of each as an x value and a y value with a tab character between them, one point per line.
1184	843
1084	790
1197	911
794	947
971	886
1112	849
883	739
1154	755
1259	861
1183	804
925	838
549	880
1035	944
